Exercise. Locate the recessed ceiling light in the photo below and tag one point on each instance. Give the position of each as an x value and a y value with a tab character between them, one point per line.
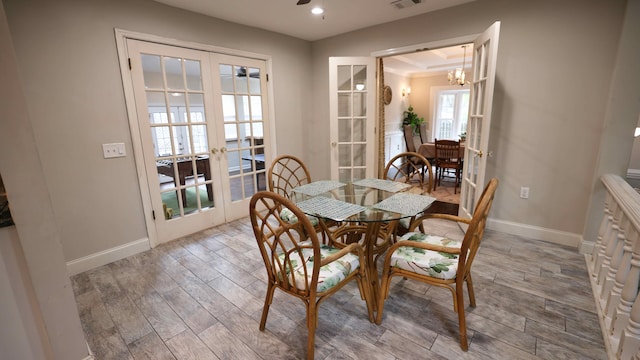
317	10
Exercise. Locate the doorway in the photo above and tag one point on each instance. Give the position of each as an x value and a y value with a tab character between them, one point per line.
198	124
420	79
485	49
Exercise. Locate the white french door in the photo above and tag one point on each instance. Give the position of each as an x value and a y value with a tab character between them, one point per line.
485	49
199	118
352	117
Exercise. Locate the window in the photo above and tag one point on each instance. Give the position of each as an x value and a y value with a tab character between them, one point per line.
452	111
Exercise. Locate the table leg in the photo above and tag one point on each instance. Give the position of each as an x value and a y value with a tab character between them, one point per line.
376	231
371	238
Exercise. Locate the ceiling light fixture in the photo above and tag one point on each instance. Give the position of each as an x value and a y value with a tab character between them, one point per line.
457	76
317	10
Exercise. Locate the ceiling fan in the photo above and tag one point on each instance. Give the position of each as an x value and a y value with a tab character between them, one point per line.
303	2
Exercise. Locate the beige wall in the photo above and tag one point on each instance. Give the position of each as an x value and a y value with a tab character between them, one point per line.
537	114
394	112
421	97
71	203
37	309
68	63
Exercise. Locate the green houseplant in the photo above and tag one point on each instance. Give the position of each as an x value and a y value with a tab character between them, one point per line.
411	118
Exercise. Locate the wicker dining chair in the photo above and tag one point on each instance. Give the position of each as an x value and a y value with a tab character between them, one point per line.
439	261
410	167
448	157
298	264
286	173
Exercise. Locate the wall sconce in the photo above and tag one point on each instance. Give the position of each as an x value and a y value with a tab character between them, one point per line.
406	91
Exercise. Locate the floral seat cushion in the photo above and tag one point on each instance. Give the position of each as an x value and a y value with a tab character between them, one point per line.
288	216
426	262
330	274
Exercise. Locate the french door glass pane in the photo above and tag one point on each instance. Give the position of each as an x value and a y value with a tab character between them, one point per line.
178	105
344	77
254	81
241	77
359	76
344	104
344	130
359	104
174	73
151	70
359	130
180	148
242	111
194	78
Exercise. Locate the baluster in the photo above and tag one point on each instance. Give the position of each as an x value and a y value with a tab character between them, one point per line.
603	234
616	260
630	340
625	289
612	242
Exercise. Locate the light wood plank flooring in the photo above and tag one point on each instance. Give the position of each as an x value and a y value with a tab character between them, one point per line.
201	297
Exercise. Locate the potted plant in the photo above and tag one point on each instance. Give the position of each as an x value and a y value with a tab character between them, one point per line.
411	118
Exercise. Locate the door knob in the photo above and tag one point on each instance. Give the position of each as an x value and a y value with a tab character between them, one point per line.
214	151
223	149
334	144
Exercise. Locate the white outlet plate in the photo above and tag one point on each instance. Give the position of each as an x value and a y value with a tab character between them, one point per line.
113	150
524	192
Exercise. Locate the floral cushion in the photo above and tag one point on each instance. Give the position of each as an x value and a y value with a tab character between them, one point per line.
288	216
330	274
426	262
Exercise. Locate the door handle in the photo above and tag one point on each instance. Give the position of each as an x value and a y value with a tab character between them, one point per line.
214	151
334	144
223	150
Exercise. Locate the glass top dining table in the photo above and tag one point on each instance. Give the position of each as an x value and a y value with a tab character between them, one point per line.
368	201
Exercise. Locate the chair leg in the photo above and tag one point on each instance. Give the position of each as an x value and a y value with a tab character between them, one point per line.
383	293
312	323
472	296
267	302
461	320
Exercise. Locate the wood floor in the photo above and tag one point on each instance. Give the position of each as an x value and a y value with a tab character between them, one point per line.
201	297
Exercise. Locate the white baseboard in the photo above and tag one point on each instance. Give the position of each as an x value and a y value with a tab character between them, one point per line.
586	247
535	232
633	174
107	256
90	356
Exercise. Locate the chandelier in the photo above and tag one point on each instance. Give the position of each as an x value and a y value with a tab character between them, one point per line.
457	76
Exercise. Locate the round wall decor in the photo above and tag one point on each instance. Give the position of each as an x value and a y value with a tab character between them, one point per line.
386	94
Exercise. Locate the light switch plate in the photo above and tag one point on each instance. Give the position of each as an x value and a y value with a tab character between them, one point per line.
113	150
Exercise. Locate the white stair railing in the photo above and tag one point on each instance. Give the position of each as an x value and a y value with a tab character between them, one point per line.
614	268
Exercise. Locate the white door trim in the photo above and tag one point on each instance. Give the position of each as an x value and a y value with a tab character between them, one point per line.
121	37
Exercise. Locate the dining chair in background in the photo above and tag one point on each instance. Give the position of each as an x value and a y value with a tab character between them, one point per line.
439	261
424	135
299	265
286	173
408	138
411	168
448	157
